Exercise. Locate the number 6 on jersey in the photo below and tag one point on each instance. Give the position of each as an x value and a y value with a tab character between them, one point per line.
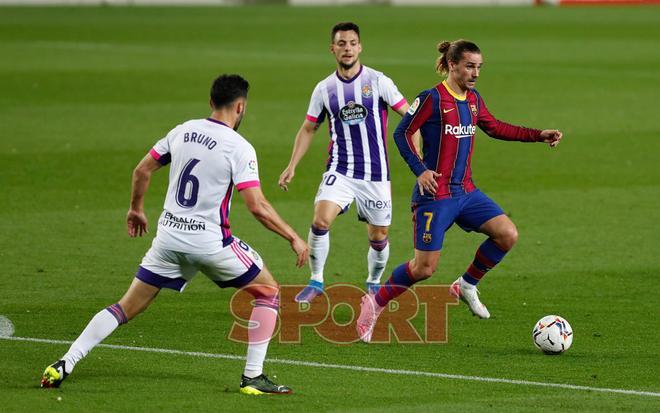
187	186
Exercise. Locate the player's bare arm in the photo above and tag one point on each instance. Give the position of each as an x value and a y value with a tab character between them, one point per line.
136	220
263	211
300	147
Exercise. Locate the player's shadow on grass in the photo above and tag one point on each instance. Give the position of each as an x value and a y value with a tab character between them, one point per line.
530	351
154	381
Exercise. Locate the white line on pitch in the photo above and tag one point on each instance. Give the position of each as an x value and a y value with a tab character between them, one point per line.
353	368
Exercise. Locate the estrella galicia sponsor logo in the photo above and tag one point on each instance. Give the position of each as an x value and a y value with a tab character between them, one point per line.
377	204
353	113
460	131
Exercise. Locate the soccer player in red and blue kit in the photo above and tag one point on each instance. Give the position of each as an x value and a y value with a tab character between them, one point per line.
447	116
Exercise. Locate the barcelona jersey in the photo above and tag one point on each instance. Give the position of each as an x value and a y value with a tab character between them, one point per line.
448	123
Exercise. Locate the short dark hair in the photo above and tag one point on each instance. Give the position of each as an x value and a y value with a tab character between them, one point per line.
343	27
227	88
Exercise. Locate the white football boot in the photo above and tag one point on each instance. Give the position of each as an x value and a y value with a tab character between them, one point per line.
369	312
469	294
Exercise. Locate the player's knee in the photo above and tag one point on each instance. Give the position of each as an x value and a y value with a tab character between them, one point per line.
320	226
508	238
378	233
265	295
264	290
421	271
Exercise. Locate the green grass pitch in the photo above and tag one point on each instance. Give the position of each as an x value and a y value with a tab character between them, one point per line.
85	92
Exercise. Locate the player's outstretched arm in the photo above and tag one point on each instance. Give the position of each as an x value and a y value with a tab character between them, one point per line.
551	137
259	206
300	147
136	220
506	131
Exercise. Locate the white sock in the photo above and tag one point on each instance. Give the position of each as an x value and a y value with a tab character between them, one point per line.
319	247
376	262
261	327
100	327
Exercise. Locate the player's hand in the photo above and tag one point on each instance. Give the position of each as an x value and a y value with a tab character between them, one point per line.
427	182
301	249
285	178
136	223
551	137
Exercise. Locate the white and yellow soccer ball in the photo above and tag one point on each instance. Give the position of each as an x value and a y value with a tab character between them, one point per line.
552	334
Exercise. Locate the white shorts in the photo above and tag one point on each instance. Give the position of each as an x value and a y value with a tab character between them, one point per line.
374	199
236	265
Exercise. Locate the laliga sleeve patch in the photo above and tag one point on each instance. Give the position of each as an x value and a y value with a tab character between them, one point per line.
413	108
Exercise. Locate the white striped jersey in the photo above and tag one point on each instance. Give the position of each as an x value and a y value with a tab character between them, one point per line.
208	159
357	115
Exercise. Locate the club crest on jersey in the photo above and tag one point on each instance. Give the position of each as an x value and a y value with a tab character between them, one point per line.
366	91
353	113
473	108
413	108
427	237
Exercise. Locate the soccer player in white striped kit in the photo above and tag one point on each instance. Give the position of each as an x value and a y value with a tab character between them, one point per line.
208	159
355	99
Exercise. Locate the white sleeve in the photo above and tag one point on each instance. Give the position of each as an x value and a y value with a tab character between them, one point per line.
389	93
244	167
315	108
161	150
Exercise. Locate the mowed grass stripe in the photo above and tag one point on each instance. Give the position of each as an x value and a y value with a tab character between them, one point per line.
352	368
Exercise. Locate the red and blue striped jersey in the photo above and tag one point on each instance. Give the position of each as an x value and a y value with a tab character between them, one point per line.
448	123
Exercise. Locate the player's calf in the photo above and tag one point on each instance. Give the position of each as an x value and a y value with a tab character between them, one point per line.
261	327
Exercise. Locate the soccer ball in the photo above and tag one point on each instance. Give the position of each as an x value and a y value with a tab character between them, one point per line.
552	334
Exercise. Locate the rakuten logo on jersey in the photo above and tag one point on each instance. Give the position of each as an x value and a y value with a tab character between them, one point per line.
460	131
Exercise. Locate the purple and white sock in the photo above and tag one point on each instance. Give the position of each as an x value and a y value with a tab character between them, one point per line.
319	247
97	330
379	253
260	330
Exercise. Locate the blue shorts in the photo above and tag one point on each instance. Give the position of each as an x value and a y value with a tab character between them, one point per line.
431	220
